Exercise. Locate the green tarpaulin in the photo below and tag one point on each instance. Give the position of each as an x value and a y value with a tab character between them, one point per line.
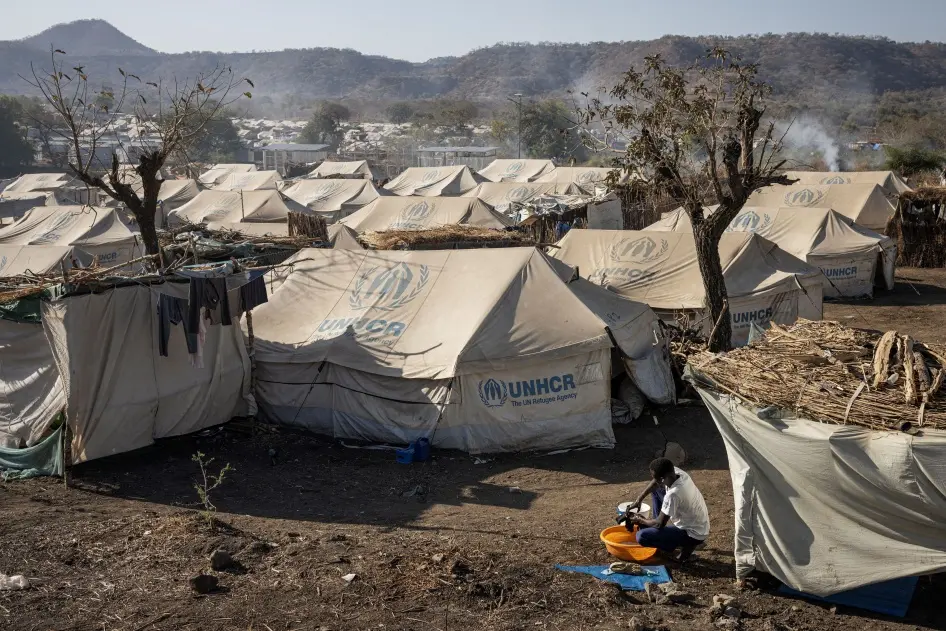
44	458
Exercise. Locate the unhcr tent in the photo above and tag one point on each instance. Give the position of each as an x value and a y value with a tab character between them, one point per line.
434	181
219	172
341	237
333	199
500	196
660	269
252	181
16	260
33	182
480	350
852	258
421	213
102	232
864	204
887	180
175	193
231	207
516	170
356	169
585	178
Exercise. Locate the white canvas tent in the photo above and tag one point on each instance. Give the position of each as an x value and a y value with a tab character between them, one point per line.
355	169
434	181
175	193
828	508
765	283
480	350
501	196
586	178
102	232
120	393
16	260
333	199
864	204
33	182
887	180
232	207
516	170
341	237
252	181
219	172
852	258
421	213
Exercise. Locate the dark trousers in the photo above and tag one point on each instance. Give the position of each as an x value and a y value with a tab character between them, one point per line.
668	538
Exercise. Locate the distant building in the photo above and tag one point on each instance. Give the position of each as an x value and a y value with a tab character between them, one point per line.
278	157
477	158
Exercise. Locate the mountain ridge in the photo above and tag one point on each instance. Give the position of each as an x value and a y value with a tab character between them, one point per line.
795	64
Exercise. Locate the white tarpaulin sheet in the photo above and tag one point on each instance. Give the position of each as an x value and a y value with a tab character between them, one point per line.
121	393
422	213
660	269
434	181
864	204
848	254
490	347
516	170
31	392
250	181
827	508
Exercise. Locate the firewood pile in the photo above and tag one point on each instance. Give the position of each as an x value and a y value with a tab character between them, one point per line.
445	237
827	372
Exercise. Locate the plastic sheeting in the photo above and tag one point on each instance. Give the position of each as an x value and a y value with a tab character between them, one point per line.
43	458
501	196
121	394
31	393
516	170
848	254
828	508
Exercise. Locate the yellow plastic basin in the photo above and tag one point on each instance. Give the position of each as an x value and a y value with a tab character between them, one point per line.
623	544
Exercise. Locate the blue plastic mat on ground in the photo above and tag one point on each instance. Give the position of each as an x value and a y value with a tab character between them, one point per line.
891	597
629	582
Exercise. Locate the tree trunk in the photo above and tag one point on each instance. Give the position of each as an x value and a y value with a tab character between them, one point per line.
147	209
711	269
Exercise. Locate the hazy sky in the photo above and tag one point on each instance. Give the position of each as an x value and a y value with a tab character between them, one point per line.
420	29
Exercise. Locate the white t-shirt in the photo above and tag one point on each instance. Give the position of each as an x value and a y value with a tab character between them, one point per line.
686	508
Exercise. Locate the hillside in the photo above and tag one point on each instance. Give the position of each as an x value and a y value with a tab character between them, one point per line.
810	67
88	38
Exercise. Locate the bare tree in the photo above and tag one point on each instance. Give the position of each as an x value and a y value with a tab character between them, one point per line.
696	134
167	119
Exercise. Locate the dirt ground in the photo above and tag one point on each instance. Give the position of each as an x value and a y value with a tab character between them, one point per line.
436	546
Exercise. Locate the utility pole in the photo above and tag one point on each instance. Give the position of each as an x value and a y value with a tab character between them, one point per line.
518	102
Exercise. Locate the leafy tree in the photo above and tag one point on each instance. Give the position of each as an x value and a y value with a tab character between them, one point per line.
218	142
15	150
692	132
323	128
172	117
399	113
548	131
913	160
456	115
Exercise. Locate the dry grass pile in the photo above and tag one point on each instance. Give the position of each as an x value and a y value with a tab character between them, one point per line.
445	237
827	372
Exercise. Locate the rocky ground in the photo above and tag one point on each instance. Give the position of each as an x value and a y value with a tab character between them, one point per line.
319	536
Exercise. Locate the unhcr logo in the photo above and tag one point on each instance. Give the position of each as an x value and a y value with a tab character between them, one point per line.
836	179
749	222
586	177
431	176
519	194
807	197
514	168
642	250
388	289
3	262
494	393
414	216
54	232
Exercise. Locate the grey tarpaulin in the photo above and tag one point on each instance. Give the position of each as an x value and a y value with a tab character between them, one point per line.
828	508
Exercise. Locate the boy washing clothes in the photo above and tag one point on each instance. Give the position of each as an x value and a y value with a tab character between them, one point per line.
679	515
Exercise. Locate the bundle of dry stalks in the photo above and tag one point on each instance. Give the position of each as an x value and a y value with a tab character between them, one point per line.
444	237
827	372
